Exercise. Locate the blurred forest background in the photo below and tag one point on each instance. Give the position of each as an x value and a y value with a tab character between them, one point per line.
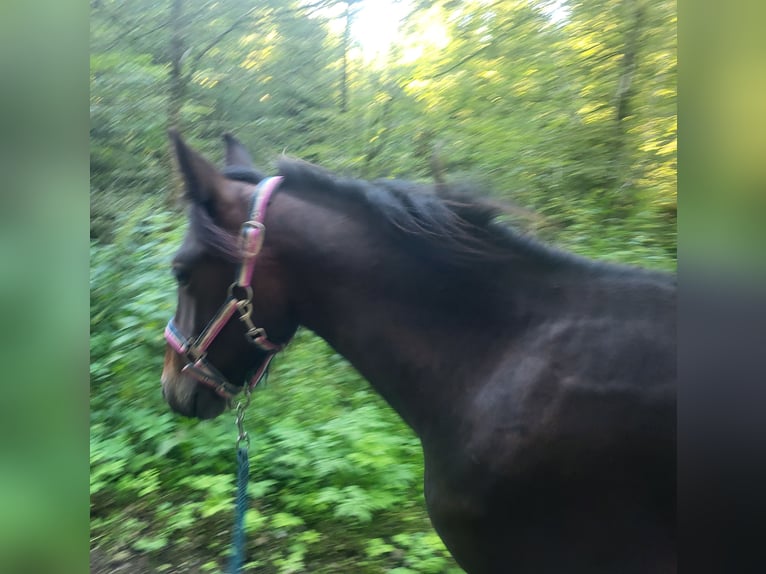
564	109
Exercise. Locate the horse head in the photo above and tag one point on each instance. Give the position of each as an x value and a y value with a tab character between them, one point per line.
232	313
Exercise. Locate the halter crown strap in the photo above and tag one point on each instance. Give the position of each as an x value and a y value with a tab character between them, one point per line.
253	230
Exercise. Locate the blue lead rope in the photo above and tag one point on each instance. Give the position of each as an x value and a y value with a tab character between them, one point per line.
243	471
243	474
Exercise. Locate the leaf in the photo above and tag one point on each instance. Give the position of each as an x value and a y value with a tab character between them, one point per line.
150	543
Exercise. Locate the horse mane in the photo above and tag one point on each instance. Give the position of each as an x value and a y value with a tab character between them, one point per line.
242	173
450	225
214	237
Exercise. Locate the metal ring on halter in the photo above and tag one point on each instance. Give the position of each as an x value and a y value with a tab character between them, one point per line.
248	292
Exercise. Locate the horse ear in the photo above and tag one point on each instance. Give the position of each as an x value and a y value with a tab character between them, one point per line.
202	180
236	153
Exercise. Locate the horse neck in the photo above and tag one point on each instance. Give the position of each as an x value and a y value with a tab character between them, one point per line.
417	339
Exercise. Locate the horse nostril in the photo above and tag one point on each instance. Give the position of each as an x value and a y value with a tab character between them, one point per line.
164	396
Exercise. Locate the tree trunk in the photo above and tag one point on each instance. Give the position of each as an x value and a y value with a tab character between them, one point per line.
628	62
344	71
623	101
176	87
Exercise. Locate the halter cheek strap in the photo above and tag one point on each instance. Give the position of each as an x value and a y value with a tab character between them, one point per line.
251	239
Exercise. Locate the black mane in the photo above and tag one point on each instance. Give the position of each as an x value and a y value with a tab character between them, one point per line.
214	237
451	225
241	173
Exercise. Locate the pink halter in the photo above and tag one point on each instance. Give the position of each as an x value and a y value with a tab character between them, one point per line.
251	236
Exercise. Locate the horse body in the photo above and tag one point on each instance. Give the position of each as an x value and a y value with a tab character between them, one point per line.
529	446
541	385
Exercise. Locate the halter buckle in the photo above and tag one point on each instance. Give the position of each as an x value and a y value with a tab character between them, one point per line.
253	233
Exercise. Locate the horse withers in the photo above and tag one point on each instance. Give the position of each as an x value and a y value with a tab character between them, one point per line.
541	384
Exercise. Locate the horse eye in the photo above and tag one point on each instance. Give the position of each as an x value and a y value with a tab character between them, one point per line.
181	274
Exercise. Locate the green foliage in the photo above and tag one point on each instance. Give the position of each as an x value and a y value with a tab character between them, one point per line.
127	135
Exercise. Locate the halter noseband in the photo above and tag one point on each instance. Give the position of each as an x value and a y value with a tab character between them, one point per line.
251	237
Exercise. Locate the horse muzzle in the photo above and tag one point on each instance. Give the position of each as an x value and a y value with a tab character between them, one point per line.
186	395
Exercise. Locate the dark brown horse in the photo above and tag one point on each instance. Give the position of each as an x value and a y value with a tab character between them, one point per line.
541	384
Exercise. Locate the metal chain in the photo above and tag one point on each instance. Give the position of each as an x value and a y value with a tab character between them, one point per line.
242	435
243	472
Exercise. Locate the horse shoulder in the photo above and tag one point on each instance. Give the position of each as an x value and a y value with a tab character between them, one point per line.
581	448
